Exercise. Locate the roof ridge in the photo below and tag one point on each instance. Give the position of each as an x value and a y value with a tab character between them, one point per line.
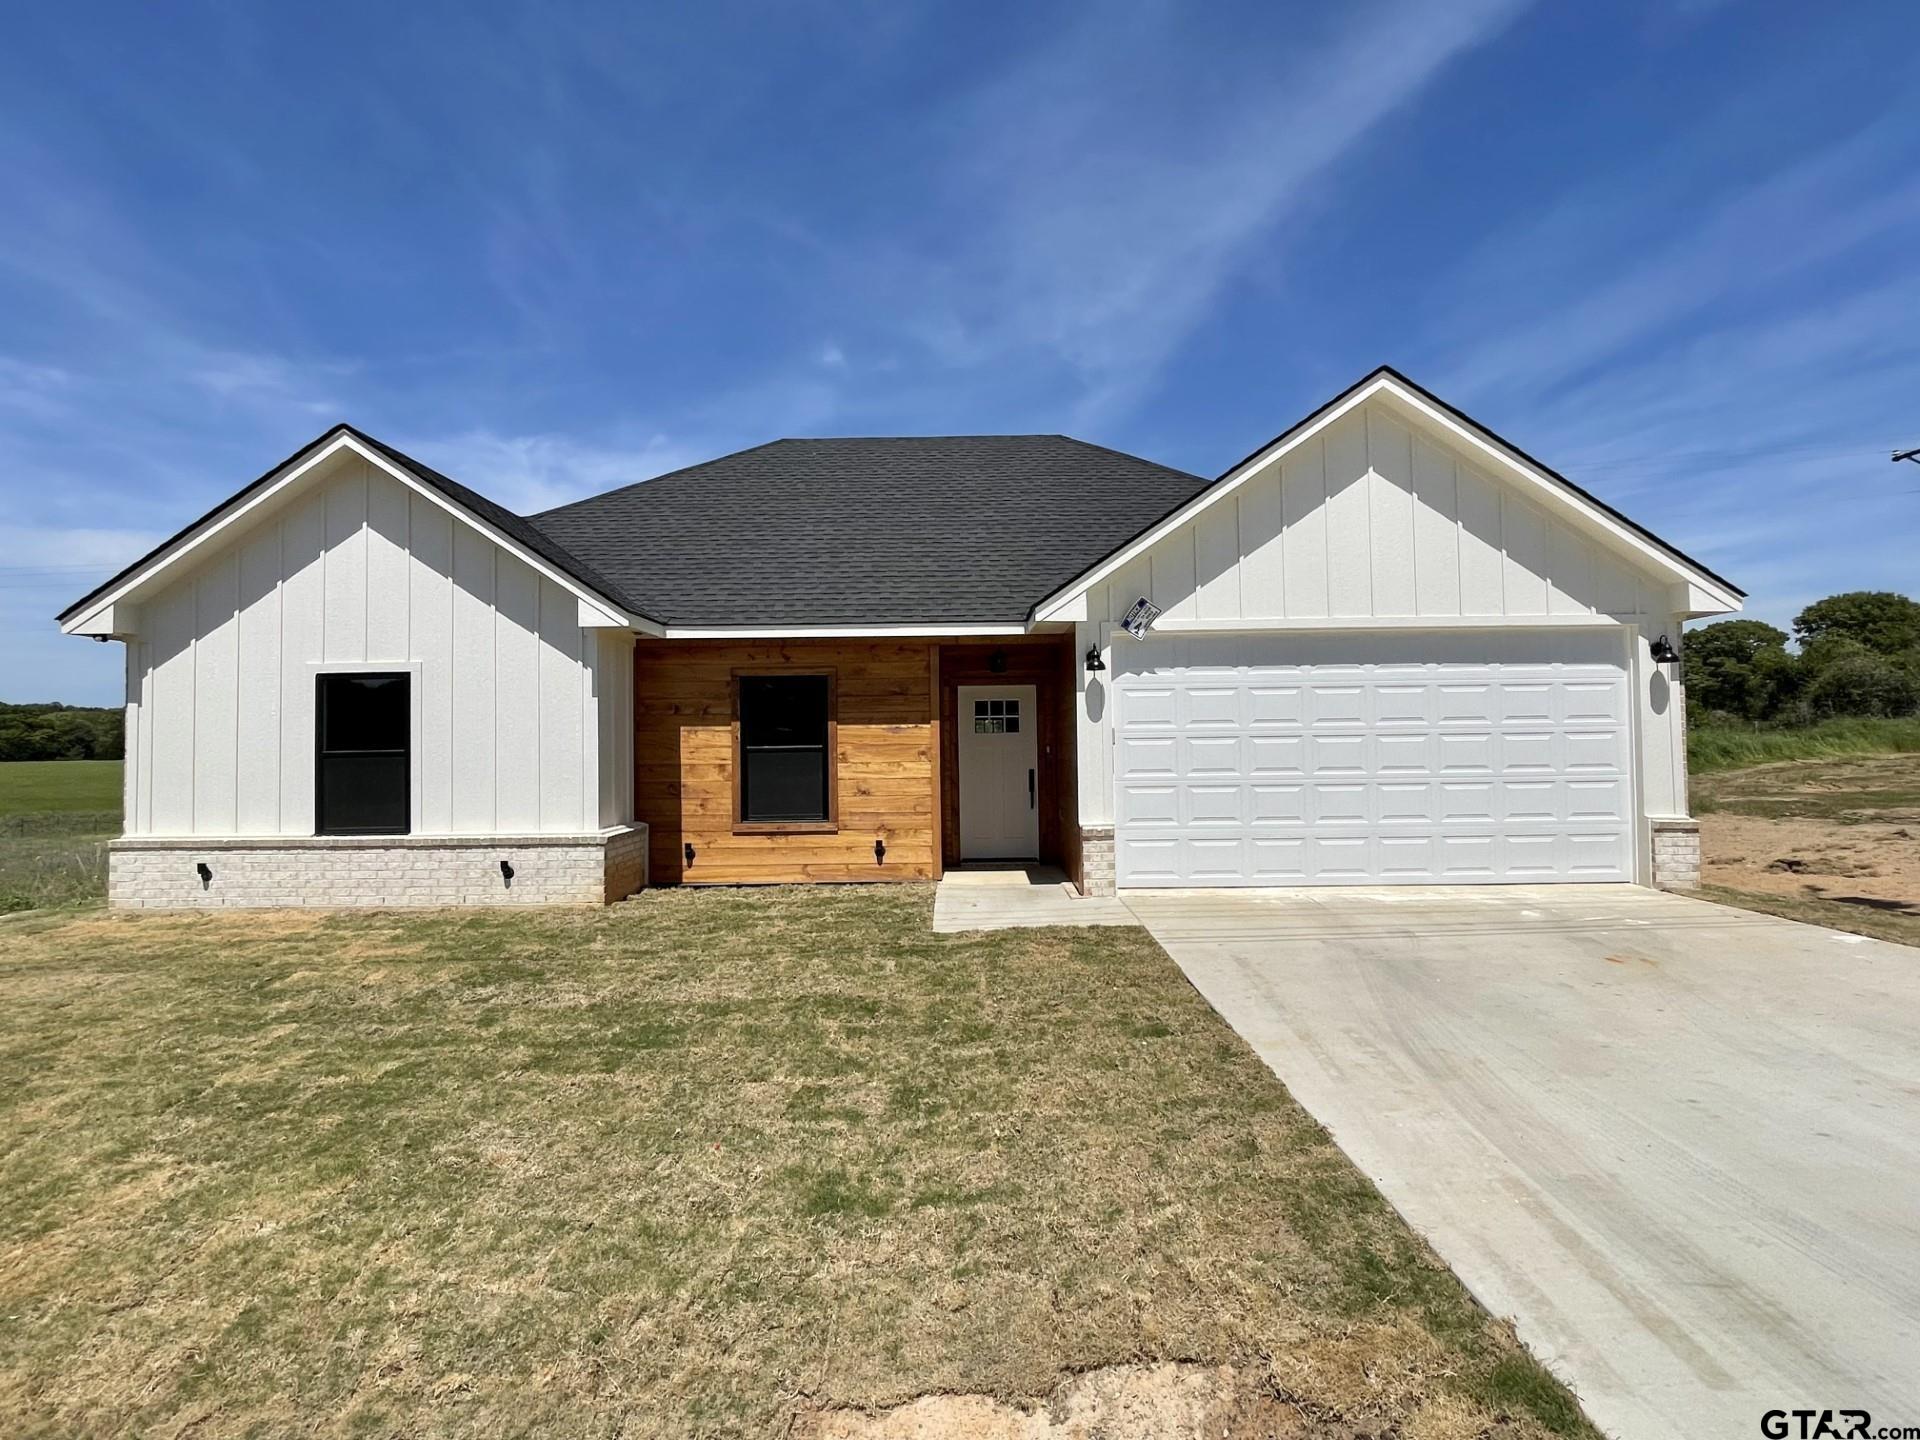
1137	459
945	435
540	515
686	470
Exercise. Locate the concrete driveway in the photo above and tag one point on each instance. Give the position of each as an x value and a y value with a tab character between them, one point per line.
1678	1144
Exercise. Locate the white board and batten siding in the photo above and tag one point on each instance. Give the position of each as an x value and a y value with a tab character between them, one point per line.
1373	521
512	697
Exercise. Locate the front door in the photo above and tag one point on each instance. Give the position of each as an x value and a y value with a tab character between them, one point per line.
999	781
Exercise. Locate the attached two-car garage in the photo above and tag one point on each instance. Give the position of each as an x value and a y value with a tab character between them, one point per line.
1349	757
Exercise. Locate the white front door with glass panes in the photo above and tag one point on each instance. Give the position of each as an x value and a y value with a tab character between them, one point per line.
999	778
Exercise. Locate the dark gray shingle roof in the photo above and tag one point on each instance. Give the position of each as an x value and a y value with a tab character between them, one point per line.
935	530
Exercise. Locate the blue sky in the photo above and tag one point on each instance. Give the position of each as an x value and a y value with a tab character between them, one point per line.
1668	247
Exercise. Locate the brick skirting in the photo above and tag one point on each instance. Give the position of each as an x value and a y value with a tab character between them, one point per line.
1096	860
329	872
1676	854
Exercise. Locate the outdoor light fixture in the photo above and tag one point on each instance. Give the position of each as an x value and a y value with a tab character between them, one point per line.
997	662
506	873
205	873
1663	652
1094	662
688	852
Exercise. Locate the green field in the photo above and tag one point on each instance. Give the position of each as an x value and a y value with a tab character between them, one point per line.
56	817
39	787
1737	747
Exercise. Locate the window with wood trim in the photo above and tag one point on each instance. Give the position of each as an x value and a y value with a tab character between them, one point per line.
783	751
361	780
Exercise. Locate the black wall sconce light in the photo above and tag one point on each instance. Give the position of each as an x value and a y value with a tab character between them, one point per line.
1663	652
205	872
1094	663
688	852
506	873
879	852
997	662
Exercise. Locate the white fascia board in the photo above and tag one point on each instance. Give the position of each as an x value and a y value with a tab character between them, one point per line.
199	539
598	615
834	632
1623	537
87	622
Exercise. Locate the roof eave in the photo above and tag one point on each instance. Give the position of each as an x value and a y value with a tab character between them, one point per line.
185	542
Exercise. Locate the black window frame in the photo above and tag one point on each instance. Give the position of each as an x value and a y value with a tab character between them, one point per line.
743	822
321	754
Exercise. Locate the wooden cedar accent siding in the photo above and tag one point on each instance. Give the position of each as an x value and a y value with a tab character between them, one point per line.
883	761
1066	762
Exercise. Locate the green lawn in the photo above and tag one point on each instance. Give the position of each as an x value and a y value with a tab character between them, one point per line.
56	817
699	1164
33	787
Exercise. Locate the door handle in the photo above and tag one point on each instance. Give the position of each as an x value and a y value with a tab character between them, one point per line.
1029	787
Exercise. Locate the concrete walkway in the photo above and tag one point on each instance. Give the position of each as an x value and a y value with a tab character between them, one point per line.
1013	896
1679	1144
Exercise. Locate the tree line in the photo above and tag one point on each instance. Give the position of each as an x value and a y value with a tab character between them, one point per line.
61	732
1859	654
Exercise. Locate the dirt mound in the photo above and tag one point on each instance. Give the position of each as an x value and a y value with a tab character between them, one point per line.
1872	864
1122	1402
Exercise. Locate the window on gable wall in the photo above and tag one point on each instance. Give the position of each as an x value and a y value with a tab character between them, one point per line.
361	782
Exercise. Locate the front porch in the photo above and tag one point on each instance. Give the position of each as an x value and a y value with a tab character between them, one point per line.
1013	896
934	752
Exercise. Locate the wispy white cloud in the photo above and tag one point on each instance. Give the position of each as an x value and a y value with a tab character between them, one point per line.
1736	385
1619	287
272	382
47	549
530	473
37	391
1094	213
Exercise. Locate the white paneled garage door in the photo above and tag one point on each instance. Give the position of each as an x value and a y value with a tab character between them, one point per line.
1329	759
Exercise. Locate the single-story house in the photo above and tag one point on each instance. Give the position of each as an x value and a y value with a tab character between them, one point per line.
1386	647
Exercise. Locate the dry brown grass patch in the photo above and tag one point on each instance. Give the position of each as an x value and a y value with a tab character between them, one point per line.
710	1163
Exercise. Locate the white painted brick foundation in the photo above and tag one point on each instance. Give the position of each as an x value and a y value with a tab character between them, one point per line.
356	872
1676	854
1096	860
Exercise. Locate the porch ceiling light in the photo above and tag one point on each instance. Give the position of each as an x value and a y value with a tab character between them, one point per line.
1094	662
